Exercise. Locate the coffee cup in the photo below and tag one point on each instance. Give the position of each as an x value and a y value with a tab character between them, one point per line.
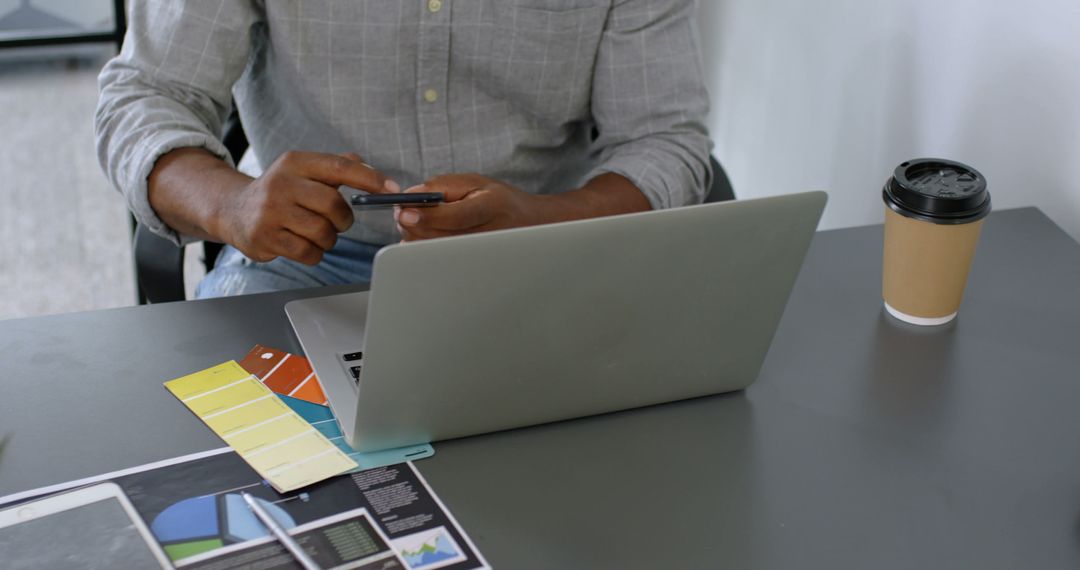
933	215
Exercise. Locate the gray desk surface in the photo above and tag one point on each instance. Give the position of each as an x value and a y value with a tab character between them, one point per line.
865	443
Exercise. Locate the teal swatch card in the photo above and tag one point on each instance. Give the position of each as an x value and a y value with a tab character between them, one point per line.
323	419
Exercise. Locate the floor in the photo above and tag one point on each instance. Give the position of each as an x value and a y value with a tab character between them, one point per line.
64	233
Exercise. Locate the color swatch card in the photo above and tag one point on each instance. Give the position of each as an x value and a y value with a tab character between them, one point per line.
284	373
323	419
283	448
291	378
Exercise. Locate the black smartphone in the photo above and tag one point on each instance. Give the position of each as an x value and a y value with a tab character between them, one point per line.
412	200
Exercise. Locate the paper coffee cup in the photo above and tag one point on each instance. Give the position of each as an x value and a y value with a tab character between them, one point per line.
934	212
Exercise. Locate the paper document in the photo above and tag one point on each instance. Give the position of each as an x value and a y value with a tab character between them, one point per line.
195	511
347	540
286	450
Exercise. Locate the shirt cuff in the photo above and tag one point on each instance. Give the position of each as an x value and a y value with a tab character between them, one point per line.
663	187
141	163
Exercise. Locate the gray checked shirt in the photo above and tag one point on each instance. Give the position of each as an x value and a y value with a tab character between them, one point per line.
511	89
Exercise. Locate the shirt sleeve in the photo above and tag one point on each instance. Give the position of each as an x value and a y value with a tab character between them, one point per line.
649	102
170	87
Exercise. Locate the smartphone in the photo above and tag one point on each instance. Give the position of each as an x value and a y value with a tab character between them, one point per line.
412	200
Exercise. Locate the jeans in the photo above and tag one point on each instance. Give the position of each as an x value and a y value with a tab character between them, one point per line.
234	274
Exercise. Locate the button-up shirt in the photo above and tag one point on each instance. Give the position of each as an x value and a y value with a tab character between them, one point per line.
540	94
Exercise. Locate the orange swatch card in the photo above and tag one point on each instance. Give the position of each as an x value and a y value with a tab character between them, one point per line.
284	373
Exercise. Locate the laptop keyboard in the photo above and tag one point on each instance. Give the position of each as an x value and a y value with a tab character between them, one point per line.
352	362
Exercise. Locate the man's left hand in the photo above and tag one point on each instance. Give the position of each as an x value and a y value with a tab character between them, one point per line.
474	203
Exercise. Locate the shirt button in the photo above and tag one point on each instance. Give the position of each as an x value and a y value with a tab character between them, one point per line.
430	96
434	5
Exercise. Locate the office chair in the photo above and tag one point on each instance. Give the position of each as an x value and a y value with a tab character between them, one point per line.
720	190
159	264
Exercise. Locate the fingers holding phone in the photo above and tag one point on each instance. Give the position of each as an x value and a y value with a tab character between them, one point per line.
473	203
294	210
452	188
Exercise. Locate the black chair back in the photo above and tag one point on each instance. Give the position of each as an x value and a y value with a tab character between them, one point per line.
720	190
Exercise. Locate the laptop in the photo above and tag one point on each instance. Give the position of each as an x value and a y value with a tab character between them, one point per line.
486	332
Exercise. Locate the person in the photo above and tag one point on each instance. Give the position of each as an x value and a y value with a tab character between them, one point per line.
521	113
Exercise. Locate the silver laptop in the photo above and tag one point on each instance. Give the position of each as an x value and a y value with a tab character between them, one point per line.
486	332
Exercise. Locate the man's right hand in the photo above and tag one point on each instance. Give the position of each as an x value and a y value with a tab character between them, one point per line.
293	210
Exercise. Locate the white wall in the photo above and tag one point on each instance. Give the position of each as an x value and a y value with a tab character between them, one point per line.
833	94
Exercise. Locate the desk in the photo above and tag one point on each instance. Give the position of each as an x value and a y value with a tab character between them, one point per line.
865	443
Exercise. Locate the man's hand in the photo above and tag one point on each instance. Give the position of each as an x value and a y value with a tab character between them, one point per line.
476	203
473	203
293	210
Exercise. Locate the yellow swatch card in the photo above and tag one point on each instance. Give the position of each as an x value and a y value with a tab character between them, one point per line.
287	451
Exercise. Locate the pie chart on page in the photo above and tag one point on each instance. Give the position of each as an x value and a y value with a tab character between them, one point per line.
200	524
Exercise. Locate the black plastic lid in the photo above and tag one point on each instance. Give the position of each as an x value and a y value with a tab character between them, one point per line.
937	190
